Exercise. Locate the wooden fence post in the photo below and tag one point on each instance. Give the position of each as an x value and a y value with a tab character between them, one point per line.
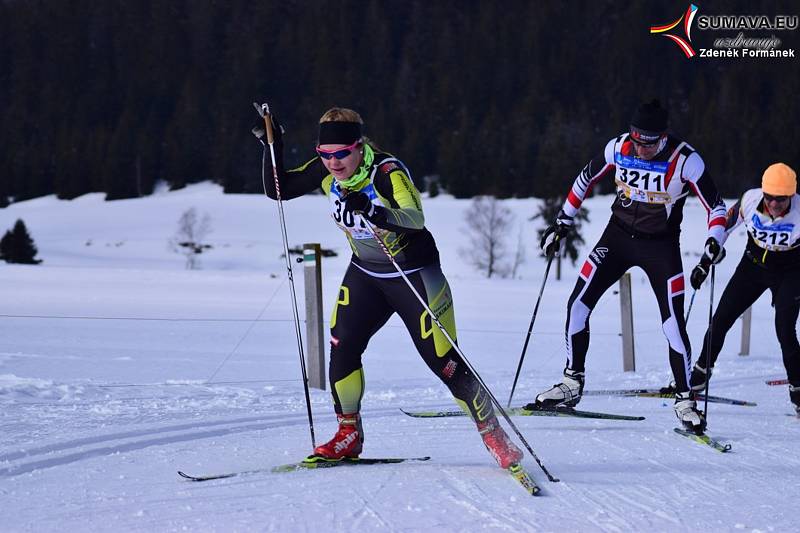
315	336
626	308
746	321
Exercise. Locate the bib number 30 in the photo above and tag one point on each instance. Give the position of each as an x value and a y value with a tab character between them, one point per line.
347	221
342	217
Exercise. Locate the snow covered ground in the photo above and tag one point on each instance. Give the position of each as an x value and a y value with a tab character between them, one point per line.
118	367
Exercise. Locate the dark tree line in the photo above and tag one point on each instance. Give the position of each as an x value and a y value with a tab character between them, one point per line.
507	98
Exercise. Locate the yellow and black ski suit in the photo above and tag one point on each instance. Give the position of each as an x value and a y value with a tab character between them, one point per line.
372	289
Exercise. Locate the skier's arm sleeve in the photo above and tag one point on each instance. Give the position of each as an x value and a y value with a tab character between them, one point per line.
734	217
295	182
404	212
694	172
594	170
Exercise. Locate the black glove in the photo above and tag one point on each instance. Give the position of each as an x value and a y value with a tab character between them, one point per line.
699	274
555	233
713	253
358	203
259	129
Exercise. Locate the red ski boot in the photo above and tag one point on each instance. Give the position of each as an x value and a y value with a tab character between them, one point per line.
497	442
348	440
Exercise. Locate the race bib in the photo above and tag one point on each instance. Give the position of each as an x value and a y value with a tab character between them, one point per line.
775	238
352	224
642	180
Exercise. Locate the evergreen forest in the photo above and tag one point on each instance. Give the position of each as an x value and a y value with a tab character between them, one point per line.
509	98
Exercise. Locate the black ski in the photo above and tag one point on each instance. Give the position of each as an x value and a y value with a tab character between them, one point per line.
220	476
665	392
530	410
704	439
309	463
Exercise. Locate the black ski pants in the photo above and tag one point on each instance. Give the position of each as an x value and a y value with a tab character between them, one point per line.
364	305
615	253
747	284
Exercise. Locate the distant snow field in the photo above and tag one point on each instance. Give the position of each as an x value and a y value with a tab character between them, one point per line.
118	367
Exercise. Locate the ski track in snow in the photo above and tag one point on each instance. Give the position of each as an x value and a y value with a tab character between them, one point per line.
96	416
103	445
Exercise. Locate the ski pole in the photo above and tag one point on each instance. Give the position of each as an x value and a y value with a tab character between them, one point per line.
263	110
691	303
530	327
708	346
435	319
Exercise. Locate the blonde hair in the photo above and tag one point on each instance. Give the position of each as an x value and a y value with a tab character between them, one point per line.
341	114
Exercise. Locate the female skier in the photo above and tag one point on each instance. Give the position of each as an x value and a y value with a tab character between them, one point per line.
367	189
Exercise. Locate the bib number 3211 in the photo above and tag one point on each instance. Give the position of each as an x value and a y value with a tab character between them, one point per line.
642	181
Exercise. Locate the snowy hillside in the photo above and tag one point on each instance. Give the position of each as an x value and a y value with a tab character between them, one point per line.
118	367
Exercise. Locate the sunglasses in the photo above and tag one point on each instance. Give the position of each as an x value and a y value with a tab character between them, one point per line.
341	153
775	199
644	144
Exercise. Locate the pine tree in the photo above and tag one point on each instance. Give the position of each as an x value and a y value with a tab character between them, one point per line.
17	246
433	188
548	212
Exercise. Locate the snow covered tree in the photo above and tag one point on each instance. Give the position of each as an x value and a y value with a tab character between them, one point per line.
189	238
17	246
489	224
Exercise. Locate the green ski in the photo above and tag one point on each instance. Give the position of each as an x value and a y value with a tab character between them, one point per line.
704	439
524	478
309	463
665	392
315	461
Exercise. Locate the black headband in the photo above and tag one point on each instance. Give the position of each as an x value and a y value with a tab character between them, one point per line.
339	132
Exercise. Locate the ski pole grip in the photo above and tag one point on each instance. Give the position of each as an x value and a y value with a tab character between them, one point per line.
268	127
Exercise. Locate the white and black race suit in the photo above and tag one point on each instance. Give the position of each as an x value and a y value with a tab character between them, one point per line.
643	231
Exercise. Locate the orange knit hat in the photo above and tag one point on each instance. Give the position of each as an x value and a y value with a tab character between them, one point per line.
779	180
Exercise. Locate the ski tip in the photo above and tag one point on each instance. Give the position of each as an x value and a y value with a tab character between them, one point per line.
432	414
519	473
